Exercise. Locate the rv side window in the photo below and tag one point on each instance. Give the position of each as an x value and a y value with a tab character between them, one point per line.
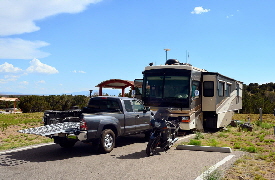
228	89
208	88
138	86
195	89
221	89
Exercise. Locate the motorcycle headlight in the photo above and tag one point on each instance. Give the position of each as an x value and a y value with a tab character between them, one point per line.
157	124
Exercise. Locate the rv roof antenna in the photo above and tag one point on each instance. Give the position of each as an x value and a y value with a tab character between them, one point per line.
187	57
166	53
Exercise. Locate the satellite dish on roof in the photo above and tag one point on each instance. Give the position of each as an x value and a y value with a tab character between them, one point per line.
172	62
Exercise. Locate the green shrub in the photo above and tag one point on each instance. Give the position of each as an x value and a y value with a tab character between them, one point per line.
4	126
194	142
214	175
199	135
264	125
237	146
213	142
222	135
251	149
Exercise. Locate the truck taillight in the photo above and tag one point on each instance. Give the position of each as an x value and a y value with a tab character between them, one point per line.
83	125
185	119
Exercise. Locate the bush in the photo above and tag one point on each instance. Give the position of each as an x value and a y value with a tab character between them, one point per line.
194	142
54	102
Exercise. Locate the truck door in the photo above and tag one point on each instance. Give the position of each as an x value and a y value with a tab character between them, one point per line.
130	117
142	118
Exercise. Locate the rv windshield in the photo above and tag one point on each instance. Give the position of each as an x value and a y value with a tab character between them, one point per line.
167	90
167	87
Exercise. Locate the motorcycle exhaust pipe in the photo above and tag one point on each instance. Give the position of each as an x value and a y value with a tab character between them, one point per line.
175	140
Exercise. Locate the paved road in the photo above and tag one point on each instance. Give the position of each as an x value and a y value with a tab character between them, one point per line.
127	161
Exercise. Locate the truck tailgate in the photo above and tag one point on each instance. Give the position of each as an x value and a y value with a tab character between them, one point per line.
53	129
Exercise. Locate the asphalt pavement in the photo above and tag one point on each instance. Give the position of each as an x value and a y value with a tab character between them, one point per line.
127	161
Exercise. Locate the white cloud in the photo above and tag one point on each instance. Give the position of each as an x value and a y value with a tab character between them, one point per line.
8	78
15	48
24	82
229	16
19	17
200	10
40	82
38	67
9	68
75	71
11	77
3	81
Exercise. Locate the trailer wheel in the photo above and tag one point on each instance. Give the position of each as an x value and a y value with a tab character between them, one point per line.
107	141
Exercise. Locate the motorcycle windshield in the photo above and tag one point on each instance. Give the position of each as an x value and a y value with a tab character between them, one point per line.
162	114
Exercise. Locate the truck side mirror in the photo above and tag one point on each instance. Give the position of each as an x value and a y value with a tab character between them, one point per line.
146	109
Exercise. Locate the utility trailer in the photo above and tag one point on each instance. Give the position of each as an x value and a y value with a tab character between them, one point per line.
197	98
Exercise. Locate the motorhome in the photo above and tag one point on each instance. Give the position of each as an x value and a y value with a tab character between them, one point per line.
197	98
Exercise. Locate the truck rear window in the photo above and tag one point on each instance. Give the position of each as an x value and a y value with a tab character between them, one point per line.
103	106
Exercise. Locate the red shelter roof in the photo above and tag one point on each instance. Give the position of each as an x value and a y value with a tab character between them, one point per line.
115	84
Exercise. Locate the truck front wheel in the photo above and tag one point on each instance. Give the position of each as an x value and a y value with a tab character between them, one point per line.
107	141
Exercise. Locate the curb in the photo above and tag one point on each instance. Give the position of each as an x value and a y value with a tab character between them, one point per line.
204	148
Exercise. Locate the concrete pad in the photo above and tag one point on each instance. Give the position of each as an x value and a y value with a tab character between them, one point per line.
204	148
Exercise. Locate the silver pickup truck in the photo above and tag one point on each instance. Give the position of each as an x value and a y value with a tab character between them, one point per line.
101	122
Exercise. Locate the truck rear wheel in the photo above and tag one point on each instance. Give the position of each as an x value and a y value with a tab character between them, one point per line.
107	141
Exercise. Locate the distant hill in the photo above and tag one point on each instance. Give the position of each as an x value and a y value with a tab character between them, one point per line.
10	93
111	92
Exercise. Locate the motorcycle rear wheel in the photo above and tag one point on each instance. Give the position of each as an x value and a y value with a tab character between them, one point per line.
152	146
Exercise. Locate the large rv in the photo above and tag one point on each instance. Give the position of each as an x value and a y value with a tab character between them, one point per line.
198	98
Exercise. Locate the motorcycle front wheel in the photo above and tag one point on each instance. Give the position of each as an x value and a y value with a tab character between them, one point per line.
152	146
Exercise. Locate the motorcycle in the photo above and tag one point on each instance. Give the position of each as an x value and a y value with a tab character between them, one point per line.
163	133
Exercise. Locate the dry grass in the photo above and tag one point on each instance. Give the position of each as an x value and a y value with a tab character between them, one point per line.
11	123
259	163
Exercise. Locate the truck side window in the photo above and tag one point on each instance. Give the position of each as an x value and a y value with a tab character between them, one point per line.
113	106
137	106
128	105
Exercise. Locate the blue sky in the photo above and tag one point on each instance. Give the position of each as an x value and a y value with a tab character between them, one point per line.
65	46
